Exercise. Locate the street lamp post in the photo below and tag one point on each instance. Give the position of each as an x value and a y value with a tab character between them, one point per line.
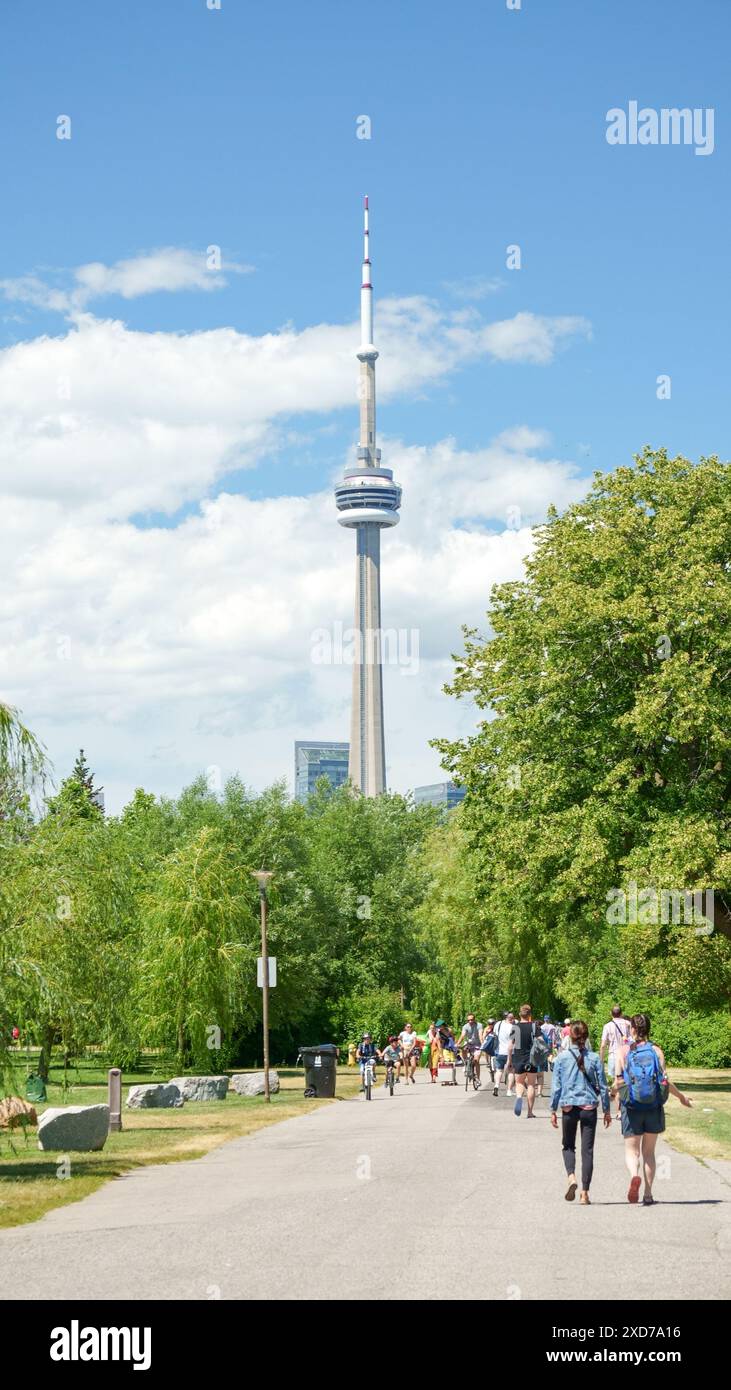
262	877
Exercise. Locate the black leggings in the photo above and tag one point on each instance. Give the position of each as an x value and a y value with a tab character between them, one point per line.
587	1119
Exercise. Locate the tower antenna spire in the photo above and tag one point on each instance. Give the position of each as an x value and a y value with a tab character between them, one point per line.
366	288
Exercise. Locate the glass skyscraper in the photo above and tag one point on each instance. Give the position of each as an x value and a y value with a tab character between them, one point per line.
313	760
446	794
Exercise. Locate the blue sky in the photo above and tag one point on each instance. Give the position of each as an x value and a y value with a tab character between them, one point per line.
237	127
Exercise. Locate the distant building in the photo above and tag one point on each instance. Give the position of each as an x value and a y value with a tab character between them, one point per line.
313	760
446	794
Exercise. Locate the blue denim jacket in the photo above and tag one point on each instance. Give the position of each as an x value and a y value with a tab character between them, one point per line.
571	1087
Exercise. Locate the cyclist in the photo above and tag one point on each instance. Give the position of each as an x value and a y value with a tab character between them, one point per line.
392	1054
470	1038
366	1052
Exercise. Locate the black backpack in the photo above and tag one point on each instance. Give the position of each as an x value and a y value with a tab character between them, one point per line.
539	1050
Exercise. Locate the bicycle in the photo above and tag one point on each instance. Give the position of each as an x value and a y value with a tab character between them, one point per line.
470	1071
369	1076
390	1076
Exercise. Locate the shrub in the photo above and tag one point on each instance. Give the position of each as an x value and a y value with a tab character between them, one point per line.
688	1037
377	1011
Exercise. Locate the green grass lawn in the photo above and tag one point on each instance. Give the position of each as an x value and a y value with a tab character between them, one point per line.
705	1130
30	1184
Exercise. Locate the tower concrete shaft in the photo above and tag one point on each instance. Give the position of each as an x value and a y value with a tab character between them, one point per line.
368	500
367	759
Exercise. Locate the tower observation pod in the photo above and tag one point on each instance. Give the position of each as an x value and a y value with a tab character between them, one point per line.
367	500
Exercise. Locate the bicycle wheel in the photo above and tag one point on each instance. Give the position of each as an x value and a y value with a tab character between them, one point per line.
467	1073
390	1081
368	1083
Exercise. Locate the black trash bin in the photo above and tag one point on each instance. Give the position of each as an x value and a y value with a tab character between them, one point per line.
321	1068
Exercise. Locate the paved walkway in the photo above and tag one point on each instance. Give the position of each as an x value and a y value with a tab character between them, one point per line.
354	1195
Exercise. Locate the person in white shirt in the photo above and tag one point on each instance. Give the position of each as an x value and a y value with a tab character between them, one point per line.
410	1052
506	1034
615	1035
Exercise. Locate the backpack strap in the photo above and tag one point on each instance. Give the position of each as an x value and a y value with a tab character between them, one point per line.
585	1073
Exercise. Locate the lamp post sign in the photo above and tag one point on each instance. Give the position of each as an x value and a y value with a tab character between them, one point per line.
264	970
272	971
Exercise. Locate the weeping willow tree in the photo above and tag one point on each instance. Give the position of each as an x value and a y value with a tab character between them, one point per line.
197	968
23	762
23	770
70	915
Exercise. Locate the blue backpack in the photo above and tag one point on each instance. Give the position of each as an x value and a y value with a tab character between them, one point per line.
490	1045
643	1076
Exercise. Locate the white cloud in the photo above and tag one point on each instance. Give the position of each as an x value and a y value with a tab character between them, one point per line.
118	421
170	268
475	288
171	650
164	651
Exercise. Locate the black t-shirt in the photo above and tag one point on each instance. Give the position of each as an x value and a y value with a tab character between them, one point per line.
524	1035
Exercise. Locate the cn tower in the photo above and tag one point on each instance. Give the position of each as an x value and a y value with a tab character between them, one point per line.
367	499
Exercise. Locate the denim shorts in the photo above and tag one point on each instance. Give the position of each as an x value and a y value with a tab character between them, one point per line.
647	1121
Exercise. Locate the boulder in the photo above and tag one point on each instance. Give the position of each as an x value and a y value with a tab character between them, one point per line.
16	1113
201	1087
152	1097
83	1128
251	1083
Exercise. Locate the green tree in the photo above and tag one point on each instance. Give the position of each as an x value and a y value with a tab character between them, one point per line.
77	795
604	751
197	958
66	948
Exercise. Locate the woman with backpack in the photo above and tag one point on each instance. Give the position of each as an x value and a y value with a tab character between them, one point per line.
643	1086
579	1084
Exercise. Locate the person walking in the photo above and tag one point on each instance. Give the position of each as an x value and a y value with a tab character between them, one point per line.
488	1047
579	1085
505	1034
539	1056
642	1083
435	1051
448	1048
410	1051
615	1035
520	1051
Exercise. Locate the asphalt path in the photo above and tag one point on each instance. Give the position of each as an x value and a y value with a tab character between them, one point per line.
351	1197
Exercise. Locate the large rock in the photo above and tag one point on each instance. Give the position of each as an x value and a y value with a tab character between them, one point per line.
201	1087
251	1083
83	1128
152	1097
16	1113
